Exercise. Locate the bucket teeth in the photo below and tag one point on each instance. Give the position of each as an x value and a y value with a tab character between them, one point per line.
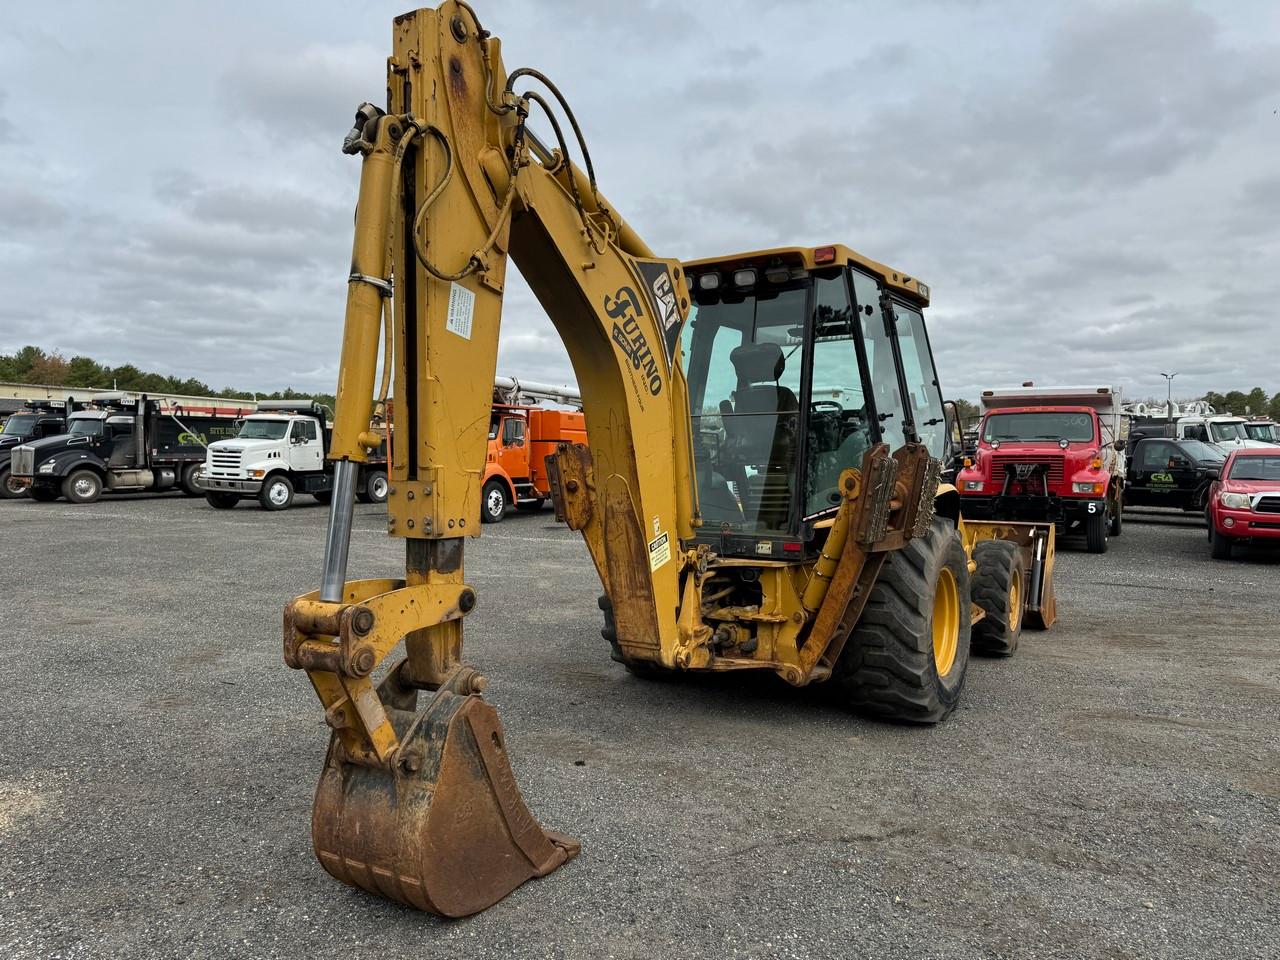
444	829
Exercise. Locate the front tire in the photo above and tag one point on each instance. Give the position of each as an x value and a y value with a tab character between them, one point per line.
906	658
276	493
1095	532
493	502
9	488
82	486
1219	545
1000	588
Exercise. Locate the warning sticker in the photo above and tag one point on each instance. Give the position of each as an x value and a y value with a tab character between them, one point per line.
659	551
462	307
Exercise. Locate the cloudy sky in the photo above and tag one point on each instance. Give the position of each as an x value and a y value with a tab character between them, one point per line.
1092	190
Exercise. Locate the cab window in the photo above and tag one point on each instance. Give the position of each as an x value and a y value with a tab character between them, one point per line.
924	394
1155	455
304	430
884	378
512	430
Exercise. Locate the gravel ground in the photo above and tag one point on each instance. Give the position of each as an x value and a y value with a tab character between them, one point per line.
1113	790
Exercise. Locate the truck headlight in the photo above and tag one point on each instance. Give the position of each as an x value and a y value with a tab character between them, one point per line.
1234	501
973	484
45	468
1088	488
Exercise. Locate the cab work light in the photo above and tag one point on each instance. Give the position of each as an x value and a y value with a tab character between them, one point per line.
709	281
777	274
744	278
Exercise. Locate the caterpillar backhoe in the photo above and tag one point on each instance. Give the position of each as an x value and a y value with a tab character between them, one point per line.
761	490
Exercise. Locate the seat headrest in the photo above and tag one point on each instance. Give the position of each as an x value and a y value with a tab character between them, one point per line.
758	362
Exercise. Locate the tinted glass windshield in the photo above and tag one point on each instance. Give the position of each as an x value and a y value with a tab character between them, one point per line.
1255	468
263	430
1261	431
19	424
1202	451
744	368
1075	427
86	428
1227	431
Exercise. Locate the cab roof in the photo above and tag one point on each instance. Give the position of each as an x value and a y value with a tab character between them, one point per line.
812	258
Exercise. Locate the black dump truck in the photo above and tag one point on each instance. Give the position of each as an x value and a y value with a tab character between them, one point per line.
34	420
121	444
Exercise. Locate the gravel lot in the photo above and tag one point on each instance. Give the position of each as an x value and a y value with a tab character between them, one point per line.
1112	791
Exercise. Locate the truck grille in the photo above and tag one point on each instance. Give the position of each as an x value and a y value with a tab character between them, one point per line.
23	462
1268	504
1000	461
224	463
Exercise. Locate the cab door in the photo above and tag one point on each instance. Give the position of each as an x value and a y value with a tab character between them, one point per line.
305	453
1151	482
513	454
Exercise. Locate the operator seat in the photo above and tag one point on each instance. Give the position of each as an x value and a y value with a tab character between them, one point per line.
758	436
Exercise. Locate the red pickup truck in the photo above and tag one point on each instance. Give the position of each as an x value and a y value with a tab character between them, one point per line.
1244	502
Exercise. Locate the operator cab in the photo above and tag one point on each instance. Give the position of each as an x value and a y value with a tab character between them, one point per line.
799	361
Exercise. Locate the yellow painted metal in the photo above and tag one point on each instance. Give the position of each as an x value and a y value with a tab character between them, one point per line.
1015	601
1041	610
945	621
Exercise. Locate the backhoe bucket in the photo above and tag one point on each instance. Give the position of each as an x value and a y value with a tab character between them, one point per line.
445	828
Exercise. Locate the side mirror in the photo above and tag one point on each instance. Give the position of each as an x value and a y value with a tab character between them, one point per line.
1120	444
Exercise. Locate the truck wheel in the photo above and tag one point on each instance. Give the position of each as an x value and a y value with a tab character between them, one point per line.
907	656
637	668
531	506
1000	588
82	486
1095	532
1219	546
221	501
375	487
189	481
324	496
493	502
42	494
1117	522
276	493
9	487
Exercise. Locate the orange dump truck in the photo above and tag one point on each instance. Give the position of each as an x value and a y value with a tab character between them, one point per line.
520	440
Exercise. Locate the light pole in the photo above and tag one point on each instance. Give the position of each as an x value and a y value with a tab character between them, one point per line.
1168	403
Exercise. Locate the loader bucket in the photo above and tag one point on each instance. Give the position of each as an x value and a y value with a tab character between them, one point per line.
1036	542
444	829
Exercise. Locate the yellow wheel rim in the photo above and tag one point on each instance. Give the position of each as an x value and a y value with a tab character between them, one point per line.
946	622
1015	601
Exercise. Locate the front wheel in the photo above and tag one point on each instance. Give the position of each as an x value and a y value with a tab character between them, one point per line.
1096	528
493	503
10	488
906	658
1219	545
276	493
83	486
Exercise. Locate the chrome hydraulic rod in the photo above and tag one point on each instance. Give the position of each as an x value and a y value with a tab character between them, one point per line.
337	539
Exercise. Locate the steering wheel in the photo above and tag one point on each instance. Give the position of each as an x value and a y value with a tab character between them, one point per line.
815	404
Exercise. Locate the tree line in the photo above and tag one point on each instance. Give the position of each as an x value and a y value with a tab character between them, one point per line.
34	365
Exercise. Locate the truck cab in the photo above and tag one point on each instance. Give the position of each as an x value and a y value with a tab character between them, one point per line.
1225	431
1049	454
1264	430
279	451
36	420
520	440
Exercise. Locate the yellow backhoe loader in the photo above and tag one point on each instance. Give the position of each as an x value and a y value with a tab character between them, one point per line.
761	491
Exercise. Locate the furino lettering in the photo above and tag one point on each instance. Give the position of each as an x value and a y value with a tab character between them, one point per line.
625	306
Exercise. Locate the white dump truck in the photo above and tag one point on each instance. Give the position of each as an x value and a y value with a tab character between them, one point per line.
281	451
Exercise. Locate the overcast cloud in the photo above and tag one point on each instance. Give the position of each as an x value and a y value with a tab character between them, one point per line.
1091	190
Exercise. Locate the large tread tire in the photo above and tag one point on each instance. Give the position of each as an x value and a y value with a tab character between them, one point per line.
1117	520
1096	527
323	496
82	486
888	669
42	494
493	502
276	493
189	481
220	500
1000	567
1219	546
8	491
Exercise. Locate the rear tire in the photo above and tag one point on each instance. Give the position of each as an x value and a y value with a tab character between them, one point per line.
42	494
1219	546
323	496
1117	520
493	502
637	668
375	487
8	486
221	501
82	486
999	587
189	481
1095	532
531	506
276	493
896	665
